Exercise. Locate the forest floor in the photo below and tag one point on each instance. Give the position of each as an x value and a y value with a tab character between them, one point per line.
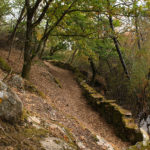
71	108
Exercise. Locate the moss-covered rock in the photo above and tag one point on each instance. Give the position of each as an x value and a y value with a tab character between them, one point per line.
11	106
21	137
141	146
4	65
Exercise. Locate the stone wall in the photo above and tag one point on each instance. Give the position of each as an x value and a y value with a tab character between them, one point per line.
120	118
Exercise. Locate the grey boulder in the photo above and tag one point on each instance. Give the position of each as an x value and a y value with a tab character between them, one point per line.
11	107
16	81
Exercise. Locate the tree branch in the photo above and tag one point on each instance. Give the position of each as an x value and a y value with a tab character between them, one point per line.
42	14
34	8
45	37
58	21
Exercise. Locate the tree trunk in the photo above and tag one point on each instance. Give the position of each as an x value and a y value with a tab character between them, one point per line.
114	38
109	66
21	53
51	52
137	33
30	26
117	47
27	49
26	68
47	33
43	49
73	56
12	37
45	40
93	70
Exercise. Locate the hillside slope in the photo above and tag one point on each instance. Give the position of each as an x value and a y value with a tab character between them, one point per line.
70	107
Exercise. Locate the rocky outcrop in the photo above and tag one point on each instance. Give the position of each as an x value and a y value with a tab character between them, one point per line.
16	81
145	145
11	107
53	143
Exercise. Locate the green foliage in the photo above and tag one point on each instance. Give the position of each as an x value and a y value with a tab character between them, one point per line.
103	47
4	8
61	56
86	27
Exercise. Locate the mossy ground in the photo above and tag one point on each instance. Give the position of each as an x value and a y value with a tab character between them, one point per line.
25	136
38	62
33	89
21	136
58	82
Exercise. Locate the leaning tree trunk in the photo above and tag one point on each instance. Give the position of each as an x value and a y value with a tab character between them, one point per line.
109	66
73	56
47	33
114	38
45	40
117	47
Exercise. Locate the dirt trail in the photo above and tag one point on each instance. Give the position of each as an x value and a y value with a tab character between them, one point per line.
70	99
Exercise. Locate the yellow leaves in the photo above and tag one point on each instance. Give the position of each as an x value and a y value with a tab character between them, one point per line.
1	100
39	35
66	138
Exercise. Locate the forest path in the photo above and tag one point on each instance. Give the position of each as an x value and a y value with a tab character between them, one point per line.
70	100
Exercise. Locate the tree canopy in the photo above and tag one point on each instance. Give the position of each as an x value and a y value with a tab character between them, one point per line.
111	36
